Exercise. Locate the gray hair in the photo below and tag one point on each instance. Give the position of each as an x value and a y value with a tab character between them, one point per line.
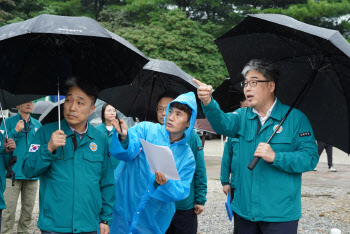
267	69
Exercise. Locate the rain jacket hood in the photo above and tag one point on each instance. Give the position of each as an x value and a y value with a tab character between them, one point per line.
142	206
190	100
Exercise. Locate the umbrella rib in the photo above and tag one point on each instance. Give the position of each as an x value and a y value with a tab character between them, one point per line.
338	76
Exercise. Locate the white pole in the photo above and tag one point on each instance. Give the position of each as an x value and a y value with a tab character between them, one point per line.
59	106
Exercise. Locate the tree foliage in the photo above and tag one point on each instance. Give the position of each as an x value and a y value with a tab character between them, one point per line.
328	14
171	36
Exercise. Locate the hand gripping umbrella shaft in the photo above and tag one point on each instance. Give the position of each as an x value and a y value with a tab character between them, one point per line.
300	97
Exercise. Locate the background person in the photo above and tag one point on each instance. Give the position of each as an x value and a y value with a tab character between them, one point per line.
22	128
268	199
5	149
185	219
229	167
108	113
329	151
76	174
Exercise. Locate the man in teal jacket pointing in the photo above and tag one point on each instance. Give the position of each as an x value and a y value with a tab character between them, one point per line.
267	199
76	174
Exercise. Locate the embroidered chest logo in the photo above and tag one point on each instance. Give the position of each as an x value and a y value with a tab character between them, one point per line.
2	132
279	130
93	146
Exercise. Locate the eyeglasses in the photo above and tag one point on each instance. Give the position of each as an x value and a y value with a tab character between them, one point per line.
252	83
160	109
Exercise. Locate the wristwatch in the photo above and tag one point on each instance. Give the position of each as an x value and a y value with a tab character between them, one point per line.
104	222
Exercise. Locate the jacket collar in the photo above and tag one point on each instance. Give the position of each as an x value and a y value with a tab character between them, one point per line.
275	114
66	129
18	116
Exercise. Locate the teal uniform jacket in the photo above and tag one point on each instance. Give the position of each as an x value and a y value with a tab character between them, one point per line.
23	141
4	159
198	190
76	187
272	191
102	128
229	162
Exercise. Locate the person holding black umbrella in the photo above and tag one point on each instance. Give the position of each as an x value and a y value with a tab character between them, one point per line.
22	128
75	170
268	199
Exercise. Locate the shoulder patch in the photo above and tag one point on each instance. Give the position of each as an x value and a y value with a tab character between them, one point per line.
33	148
200	148
305	134
235	113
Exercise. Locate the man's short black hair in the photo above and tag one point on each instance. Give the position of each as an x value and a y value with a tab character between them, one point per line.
182	107
90	90
168	94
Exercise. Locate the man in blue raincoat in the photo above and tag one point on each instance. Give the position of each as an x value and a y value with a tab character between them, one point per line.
75	170
145	203
185	219
267	199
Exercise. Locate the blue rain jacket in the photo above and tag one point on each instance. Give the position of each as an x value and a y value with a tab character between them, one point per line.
23	141
102	128
272	191
76	186
141	206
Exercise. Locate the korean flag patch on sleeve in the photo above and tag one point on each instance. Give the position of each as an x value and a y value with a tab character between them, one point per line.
33	148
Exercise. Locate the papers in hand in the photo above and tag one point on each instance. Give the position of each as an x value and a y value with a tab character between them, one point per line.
228	207
161	159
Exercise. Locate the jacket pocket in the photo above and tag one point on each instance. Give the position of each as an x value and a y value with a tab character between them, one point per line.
93	165
282	143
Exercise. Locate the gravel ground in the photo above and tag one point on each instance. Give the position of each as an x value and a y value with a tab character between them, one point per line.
323	208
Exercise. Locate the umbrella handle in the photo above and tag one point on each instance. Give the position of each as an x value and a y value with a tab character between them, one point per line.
59	106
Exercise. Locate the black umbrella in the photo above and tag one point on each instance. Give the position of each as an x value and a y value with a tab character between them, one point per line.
9	100
314	64
37	53
140	98
228	97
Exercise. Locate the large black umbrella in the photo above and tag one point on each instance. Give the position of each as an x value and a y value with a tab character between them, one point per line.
37	53
140	98
314	63
9	100
228	97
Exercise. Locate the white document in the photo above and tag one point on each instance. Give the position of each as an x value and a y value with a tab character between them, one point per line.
161	159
